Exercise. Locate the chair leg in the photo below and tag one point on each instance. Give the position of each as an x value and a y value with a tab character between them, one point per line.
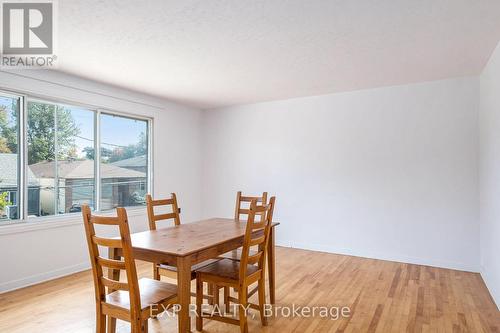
156	272
226	299
111	325
243	300
199	302
210	292
262	301
100	322
136	326
145	326
216	295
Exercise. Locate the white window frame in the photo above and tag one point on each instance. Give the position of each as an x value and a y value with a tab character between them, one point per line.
20	159
97	152
56	220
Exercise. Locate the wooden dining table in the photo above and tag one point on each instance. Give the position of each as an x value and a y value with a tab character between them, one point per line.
188	244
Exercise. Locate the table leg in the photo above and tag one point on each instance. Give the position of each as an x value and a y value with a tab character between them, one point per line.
113	274
184	292
271	261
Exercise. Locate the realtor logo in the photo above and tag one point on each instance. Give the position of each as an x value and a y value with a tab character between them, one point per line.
27	34
27	28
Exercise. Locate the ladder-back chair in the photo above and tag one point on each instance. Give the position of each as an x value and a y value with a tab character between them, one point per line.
173	215
241	209
165	269
131	300
241	200
239	275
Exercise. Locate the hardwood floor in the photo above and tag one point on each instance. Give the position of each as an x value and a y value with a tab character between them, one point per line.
383	297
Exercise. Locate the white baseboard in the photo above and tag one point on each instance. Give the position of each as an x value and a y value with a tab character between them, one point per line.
42	277
378	255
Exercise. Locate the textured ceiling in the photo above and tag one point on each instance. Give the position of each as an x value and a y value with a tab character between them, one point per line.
215	53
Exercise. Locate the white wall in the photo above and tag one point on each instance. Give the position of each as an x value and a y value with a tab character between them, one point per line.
490	174
388	173
32	254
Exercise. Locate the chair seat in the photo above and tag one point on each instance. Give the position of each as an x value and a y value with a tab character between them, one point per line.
226	268
236	254
151	292
194	268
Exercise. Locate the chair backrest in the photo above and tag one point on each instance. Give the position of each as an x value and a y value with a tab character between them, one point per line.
153	217
257	235
242	199
101	264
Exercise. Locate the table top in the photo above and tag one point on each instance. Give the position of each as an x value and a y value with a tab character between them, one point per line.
189	238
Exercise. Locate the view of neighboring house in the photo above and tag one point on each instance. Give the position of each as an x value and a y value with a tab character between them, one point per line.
138	163
9	184
120	186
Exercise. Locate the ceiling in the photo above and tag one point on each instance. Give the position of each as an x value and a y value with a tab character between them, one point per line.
216	53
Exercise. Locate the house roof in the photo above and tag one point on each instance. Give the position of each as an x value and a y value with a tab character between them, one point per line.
82	169
8	171
137	161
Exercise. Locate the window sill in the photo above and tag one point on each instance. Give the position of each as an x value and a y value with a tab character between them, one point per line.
58	221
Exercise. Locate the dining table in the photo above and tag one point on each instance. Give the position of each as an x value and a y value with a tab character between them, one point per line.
188	244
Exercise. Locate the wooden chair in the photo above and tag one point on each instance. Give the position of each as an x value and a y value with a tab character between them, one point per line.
240	274
164	269
153	218
242	210
241	200
132	300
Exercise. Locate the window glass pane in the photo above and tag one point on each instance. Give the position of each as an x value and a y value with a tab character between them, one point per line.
60	156
75	137
9	159
124	156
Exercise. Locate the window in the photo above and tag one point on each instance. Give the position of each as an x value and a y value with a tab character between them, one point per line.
124	155
59	138
9	158
56	170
